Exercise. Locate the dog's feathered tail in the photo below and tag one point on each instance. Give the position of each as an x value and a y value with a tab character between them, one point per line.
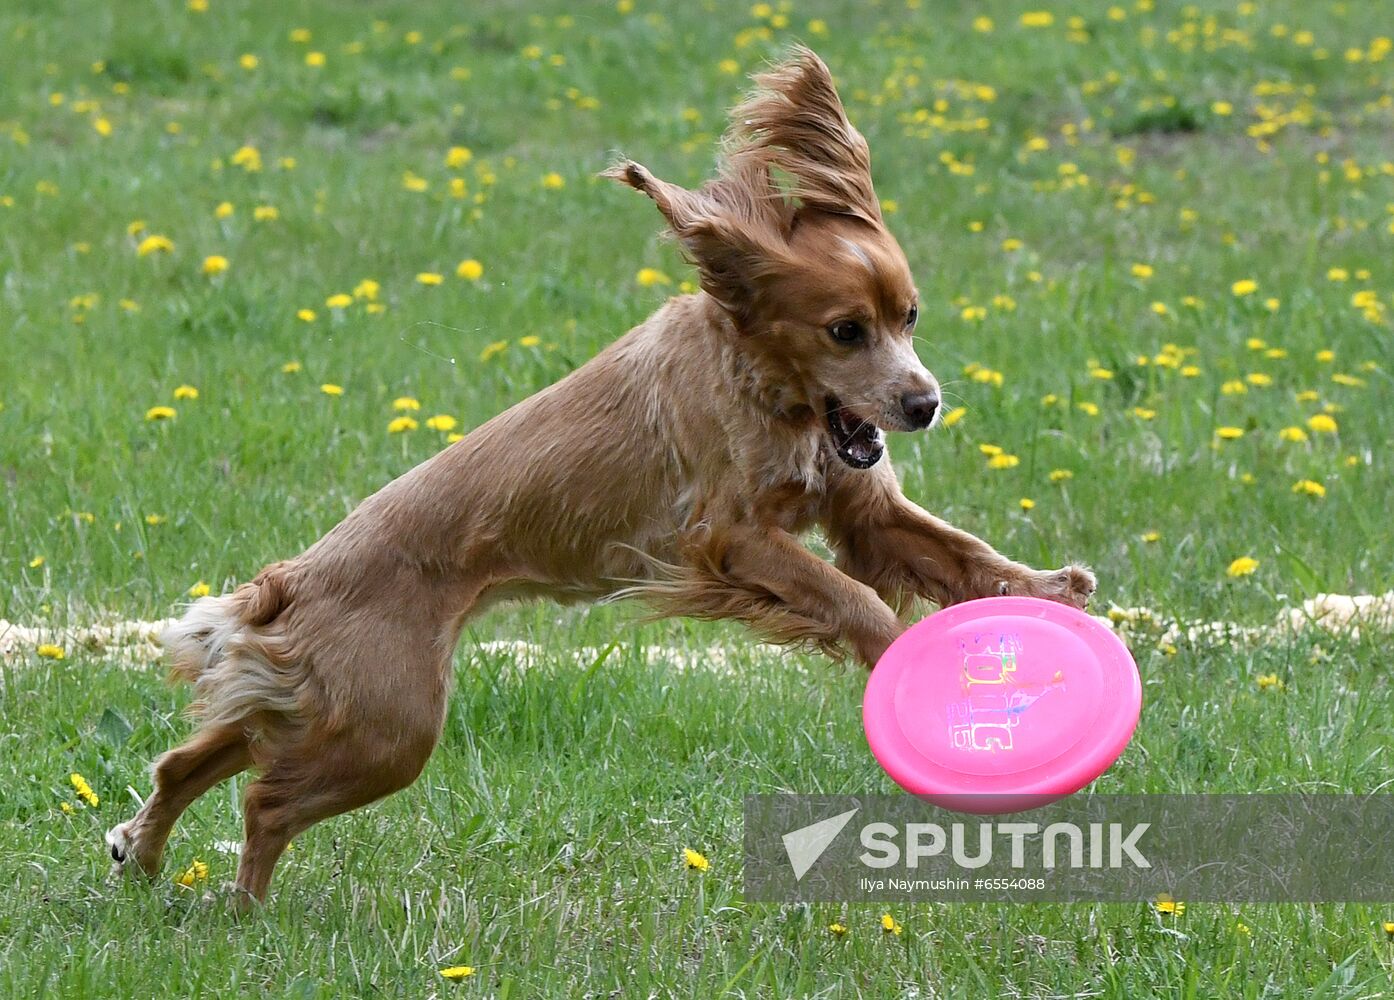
240	663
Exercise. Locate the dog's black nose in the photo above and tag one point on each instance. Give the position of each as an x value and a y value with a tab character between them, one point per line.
920	407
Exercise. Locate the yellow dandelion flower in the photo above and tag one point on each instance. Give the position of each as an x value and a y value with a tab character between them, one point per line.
367	290
1243	287
890	925
314	59
493	350
836	929
1151	536
36	562
215	264
1143	413
1270	682
453	437
1169	907
1160	308
1037	19
457	156
291	367
1234	387
330	389
305	315
66	807
1323	423
1242	929
1088	409
200	589
1310	487
1229	433
185	392
531	340
470	270
412	182
339	300
1294	434
553	181
154	243
1003	461
1026	503
84	790
155	520
1190	371
160	413
1389	928
441	422
457	972
1221	108
990	449
49	651
1103	374
1011	244
1061	475
1242	566
248	61
405	404
402	424
953	416
650	276
1337	274
1259	379
729	66
191	876
266	213
429	278
694	860
1142	270
248	158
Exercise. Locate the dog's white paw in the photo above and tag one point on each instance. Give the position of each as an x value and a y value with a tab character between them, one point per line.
118	842
122	843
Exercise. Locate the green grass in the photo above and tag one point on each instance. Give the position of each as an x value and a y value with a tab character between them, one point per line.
543	844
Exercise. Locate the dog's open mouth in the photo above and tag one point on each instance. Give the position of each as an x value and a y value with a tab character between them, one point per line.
858	441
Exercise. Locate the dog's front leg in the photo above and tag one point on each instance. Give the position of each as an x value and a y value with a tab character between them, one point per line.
765	578
902	551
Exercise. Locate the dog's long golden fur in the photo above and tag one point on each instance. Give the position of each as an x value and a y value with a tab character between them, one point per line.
680	465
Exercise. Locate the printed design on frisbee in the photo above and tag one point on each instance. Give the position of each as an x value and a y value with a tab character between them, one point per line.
994	698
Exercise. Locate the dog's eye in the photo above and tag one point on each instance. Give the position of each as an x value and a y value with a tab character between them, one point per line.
911	317
846	331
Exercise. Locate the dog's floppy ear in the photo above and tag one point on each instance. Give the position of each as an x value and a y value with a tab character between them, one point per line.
794	122
730	228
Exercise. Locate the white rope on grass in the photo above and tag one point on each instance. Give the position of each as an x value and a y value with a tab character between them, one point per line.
134	644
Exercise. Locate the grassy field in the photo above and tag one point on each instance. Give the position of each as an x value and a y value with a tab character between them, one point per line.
249	251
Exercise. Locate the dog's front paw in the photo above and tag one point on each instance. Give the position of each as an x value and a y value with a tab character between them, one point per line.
1072	585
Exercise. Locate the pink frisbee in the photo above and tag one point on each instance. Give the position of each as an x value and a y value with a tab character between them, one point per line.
1001	704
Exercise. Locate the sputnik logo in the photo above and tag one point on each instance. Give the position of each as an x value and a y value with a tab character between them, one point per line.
806	845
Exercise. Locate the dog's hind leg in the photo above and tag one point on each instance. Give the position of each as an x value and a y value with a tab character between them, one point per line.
317	778
181	776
